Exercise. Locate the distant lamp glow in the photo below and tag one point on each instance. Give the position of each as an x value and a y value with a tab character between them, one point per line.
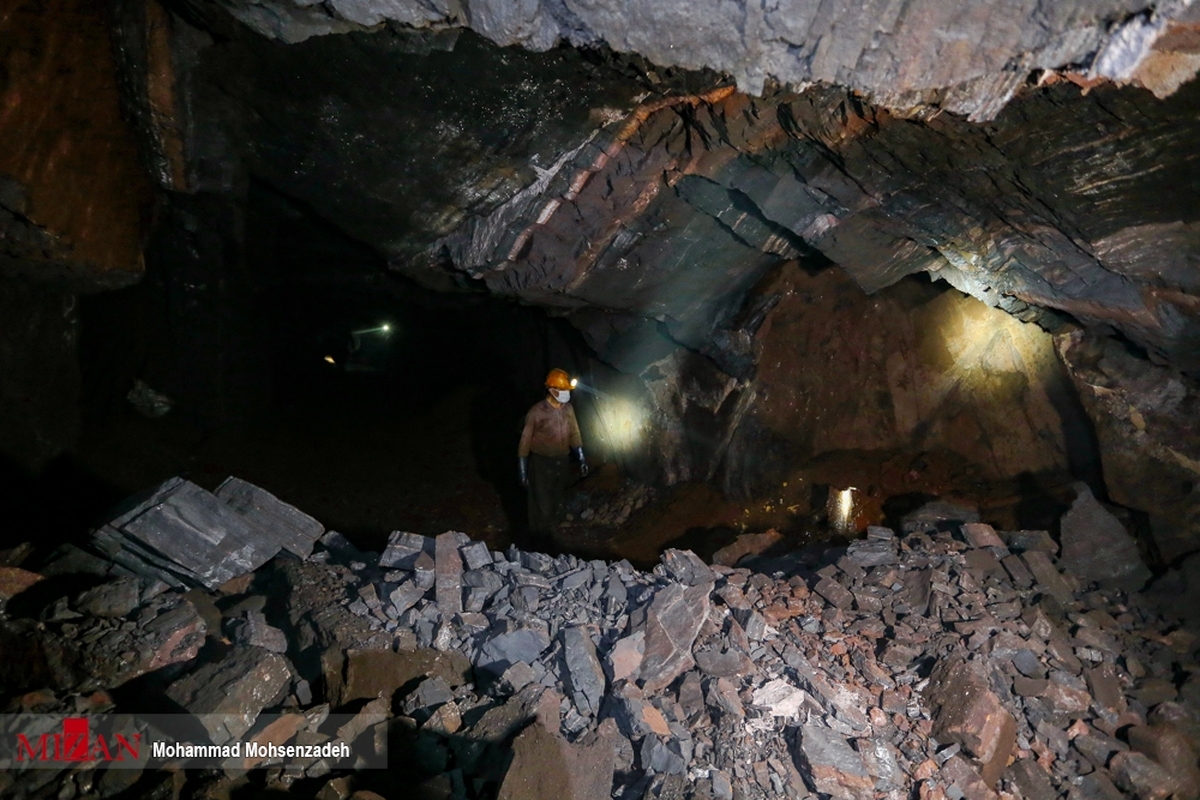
841	510
385	328
329	360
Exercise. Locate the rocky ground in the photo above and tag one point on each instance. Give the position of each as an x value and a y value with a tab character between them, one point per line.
946	659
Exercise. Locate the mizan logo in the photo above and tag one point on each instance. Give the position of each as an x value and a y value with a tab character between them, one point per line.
77	743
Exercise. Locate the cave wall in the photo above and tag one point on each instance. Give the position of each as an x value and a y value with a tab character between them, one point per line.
1147	421
911	370
74	207
40	390
74	197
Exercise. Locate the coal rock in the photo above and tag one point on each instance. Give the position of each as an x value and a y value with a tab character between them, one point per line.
585	678
113	599
294	530
228	695
507	647
1096	546
183	535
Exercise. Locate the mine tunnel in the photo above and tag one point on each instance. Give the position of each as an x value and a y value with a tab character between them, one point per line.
866	341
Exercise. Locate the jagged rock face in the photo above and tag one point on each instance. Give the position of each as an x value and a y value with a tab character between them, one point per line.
1146	420
72	193
508	174
398	139
909	370
967	58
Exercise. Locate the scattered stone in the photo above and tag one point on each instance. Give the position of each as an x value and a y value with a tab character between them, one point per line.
779	698
476	555
979	534
115	598
686	567
369	674
429	694
1048	578
835	593
508	647
624	660
585	678
832	765
252	629
229	694
403	548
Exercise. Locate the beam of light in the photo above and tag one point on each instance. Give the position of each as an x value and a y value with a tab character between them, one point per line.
385	328
329	360
841	514
580	386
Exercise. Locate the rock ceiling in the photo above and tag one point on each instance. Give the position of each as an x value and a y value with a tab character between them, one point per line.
646	202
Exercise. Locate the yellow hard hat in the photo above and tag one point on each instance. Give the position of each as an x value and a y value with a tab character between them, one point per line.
558	379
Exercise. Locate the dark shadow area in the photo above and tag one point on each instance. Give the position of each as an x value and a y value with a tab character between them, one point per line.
294	360
58	503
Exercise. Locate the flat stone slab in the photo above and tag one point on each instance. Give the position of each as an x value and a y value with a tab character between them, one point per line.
671	625
185	536
294	530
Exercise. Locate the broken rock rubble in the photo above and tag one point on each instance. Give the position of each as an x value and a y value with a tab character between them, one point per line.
952	661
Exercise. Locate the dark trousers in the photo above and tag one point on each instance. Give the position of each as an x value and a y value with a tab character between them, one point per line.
547	492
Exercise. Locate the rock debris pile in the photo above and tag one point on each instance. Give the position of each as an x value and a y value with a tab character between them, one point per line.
950	660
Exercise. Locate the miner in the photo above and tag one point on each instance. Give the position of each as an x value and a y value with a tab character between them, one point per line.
550	436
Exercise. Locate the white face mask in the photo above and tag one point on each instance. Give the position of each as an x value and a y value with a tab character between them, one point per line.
562	396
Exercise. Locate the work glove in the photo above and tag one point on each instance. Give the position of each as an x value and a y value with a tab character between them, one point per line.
523	471
583	467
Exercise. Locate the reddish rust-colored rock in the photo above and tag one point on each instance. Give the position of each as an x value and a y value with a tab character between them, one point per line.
14	580
834	768
367	674
1170	748
746	544
1142	775
546	767
957	772
968	712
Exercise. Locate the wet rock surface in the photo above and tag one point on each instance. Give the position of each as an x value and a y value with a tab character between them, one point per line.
951	660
